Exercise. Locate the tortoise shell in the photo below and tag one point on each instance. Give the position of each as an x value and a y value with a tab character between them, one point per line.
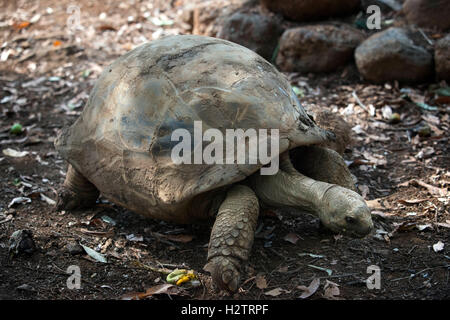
122	141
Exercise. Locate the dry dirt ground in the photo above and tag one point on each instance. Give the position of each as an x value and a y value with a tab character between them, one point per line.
402	170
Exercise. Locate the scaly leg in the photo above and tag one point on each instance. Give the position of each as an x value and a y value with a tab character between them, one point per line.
232	236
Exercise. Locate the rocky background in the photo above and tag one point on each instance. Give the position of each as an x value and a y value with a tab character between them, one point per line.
409	45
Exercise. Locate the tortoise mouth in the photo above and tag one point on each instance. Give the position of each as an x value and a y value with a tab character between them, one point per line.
354	233
359	234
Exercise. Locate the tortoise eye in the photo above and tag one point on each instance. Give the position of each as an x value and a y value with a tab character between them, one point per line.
350	220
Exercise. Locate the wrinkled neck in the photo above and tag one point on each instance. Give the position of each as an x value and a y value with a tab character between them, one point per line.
290	189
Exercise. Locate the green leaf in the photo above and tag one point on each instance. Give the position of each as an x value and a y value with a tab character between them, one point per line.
159	22
274	54
94	254
86	73
298	91
443	91
328	271
16	128
312	255
361	24
426	106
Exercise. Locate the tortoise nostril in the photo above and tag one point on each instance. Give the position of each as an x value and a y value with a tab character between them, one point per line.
350	220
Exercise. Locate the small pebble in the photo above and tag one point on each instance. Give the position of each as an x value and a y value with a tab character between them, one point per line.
74	248
21	241
26	287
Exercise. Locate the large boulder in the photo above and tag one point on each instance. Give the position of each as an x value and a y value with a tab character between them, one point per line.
208	17
442	58
384	5
317	48
393	55
428	13
306	10
255	31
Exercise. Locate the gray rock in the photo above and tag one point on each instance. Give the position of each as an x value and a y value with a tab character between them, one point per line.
393	55
257	32
317	48
442	58
74	248
208	17
306	10
21	241
428	13
385	5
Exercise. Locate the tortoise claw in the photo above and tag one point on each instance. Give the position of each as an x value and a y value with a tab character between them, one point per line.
66	200
70	200
225	272
77	192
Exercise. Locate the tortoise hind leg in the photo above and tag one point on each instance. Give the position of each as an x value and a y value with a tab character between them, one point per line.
232	236
77	192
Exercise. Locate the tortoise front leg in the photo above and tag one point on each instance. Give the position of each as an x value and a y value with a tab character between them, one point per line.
77	192
232	236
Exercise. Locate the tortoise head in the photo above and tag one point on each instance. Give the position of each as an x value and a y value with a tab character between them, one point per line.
345	211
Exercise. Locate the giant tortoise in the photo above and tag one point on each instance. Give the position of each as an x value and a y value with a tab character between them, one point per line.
121	146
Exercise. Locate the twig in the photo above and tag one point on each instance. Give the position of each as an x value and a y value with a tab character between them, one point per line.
154	269
278	254
362	105
8	218
174	266
338	276
411	250
247	281
415	274
425	36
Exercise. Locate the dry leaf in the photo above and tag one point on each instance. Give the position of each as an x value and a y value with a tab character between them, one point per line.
98	223
135	238
422	227
19	200
276	292
283	269
48	200
375	204
261	282
94	254
21	25
431	189
14	153
291	237
107	27
412	201
364	190
377	159
159	289
97	233
443	224
331	290
439	246
184	238
425	153
310	290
